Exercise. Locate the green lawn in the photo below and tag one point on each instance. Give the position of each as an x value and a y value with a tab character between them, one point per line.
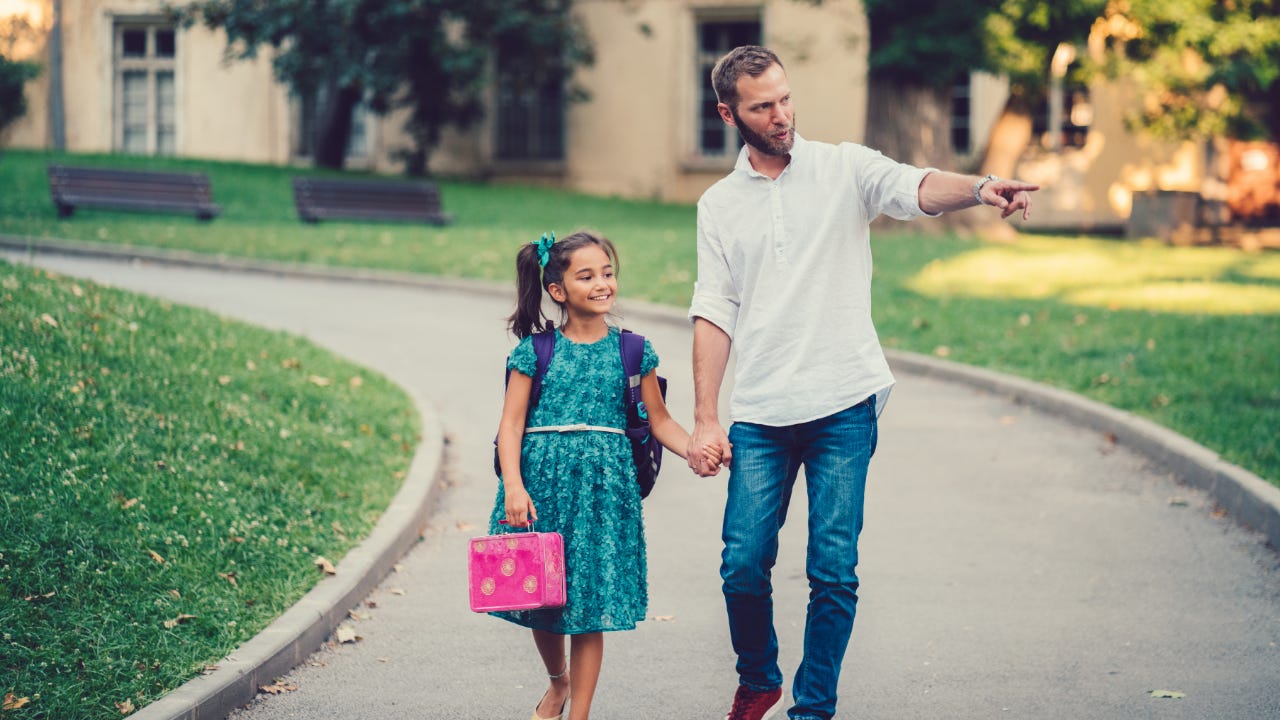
1188	337
167	480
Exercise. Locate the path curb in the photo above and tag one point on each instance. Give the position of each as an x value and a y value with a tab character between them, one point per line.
287	642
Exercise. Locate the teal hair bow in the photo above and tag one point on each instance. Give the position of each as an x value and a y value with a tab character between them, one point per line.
544	248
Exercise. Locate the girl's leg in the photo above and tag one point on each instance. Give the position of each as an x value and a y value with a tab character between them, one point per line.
586	655
551	648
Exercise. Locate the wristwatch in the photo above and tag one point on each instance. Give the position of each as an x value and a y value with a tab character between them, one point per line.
977	187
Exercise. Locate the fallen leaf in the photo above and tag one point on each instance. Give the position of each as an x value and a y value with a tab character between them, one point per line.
290	363
326	566
397	567
371	603
356	381
175	622
128	503
32	598
396	591
156	556
346	634
319	381
48	320
125	707
224	379
357	616
942	351
176	595
664	618
278	687
1170	694
12	702
229	577
1218	513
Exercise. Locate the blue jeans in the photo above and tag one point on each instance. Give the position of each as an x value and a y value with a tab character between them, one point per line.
835	452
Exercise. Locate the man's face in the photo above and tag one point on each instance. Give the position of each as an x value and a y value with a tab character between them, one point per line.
764	115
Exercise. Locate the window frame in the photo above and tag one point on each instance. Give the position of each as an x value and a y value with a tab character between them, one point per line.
152	66
704	59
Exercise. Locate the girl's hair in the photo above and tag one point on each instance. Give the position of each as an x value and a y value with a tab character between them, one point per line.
532	280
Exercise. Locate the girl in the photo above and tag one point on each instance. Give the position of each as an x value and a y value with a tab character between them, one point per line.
581	483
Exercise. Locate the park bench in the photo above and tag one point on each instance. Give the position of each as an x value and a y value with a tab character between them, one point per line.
332	198
73	187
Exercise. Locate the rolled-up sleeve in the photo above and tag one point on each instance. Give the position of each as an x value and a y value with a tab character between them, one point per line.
715	298
888	187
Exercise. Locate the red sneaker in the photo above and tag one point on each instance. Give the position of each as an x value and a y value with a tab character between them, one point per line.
751	705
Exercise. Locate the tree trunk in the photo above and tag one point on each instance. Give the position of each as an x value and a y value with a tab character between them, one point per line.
912	124
334	131
1009	139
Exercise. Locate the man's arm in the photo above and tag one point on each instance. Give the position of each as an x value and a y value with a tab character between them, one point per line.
946	192
710	359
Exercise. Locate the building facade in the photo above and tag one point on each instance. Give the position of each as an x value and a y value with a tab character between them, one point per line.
128	80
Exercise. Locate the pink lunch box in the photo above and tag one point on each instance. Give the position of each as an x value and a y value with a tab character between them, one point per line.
516	571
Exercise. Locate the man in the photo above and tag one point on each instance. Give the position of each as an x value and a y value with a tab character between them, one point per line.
784	276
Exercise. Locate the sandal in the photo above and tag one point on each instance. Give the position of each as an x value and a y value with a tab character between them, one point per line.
559	715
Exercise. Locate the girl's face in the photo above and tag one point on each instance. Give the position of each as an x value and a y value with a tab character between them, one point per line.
589	286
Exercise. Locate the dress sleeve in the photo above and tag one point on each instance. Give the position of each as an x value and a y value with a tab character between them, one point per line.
649	362
522	358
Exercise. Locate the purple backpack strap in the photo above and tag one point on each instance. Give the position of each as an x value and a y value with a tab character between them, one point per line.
632	357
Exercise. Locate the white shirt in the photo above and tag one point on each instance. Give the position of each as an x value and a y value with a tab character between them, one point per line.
784	268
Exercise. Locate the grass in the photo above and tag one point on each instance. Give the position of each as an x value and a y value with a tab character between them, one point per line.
167	480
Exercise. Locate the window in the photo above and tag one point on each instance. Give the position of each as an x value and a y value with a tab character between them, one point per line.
1076	117
715	38
961	117
145	97
529	122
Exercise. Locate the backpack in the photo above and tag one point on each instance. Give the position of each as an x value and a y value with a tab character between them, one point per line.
646	451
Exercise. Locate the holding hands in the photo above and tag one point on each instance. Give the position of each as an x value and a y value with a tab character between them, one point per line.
709	449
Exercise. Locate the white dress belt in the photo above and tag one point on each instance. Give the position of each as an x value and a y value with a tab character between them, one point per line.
580	427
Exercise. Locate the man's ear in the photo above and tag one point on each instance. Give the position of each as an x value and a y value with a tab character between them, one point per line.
726	114
557	293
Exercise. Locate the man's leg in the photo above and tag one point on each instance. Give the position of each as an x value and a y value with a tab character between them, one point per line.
837	452
761	476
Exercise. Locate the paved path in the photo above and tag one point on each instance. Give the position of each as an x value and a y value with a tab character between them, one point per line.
1013	565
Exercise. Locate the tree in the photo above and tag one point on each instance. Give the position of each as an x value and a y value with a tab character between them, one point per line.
1205	68
918	52
13	74
431	56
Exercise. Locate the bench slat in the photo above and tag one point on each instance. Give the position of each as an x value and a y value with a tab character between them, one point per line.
72	187
330	199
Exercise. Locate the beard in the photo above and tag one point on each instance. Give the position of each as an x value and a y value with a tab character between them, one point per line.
766	145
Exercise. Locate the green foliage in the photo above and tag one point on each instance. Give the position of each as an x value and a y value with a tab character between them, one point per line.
1022	36
932	43
13	80
430	56
1206	68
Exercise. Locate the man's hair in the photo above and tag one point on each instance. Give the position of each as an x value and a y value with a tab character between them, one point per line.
751	60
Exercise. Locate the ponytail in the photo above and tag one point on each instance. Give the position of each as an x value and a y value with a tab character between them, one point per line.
528	317
532	277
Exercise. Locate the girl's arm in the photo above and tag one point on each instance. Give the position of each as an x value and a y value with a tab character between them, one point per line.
515	407
670	433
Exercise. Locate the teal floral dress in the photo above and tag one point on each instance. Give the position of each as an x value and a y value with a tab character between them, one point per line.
583	485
